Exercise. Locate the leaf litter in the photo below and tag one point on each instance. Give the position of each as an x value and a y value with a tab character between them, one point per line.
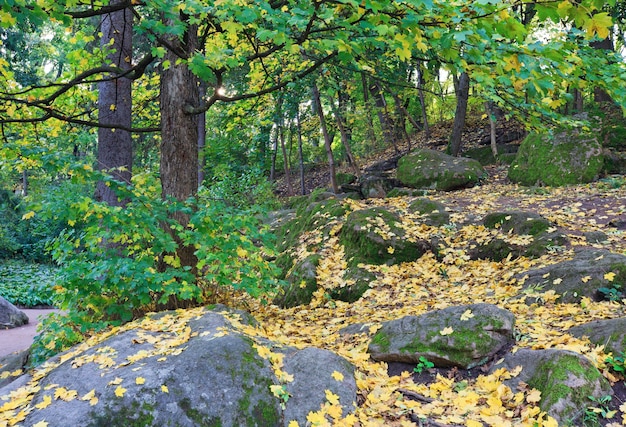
412	288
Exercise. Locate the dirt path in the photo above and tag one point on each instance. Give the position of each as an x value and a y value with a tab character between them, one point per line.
17	339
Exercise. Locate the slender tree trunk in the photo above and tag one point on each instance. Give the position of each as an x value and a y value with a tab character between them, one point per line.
371	135
300	155
383	115
422	98
578	101
462	95
327	139
24	183
281	136
492	127
179	135
274	154
344	131
115	146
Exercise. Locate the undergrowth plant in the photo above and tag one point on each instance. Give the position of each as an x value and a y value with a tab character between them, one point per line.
118	263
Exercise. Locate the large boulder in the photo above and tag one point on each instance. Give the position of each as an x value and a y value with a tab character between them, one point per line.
188	368
557	158
463	336
11	316
518	222
433	169
611	333
567	381
431	212
591	273
301	283
374	236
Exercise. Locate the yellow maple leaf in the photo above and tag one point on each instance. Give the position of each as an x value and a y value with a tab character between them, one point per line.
65	394
586	279
467	314
262	351
390	249
293	423
337	375
119	391
316	418
42	423
473	423
334	411
609	276
446	331
116	381
241	252
557	281
332	397
140	380
164	389
47	400
534	396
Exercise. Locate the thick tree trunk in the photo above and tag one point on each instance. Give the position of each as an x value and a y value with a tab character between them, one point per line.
201	135
179	136
599	94
115	146
327	139
462	95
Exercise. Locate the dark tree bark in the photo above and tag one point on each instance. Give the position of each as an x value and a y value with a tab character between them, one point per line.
179	137
327	139
462	95
344	130
600	95
280	130
201	135
115	146
422	98
492	127
383	115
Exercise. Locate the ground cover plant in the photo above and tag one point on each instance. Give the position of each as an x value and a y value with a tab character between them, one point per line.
27	284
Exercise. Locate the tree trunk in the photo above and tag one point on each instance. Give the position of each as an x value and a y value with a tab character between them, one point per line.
281	136
344	131
179	135
201	135
300	155
383	115
371	135
462	95
492	127
327	139
600	95
115	146
422	98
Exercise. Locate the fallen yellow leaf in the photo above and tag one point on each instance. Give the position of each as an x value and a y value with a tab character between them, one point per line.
337	375
446	331
119	391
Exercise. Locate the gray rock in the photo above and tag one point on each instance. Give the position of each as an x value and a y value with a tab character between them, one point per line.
13	365
11	316
611	333
436	170
216	377
557	158
565	379
566	278
313	371
301	283
375	186
473	338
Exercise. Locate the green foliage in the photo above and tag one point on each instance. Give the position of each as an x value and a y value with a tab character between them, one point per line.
242	190
27	285
612	292
593	414
617	363
119	263
423	364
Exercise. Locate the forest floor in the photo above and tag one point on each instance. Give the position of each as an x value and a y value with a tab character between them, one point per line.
456	397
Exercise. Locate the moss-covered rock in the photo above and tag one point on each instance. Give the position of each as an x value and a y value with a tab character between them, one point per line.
374	236
357	282
556	158
434	169
518	221
345	178
301	283
462	336
432	212
484	155
567	381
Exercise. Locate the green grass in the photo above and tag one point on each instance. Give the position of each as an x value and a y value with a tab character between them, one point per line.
26	284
